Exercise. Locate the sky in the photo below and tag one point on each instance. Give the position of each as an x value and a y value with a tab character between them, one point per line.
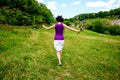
71	8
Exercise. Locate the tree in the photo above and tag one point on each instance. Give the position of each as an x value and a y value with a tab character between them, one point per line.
25	12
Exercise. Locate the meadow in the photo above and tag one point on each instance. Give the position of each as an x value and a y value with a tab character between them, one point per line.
28	54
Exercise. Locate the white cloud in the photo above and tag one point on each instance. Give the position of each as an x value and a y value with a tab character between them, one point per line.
51	5
100	3
64	5
40	1
76	2
96	4
111	1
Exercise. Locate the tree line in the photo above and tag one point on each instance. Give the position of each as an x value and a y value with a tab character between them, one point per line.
101	14
24	12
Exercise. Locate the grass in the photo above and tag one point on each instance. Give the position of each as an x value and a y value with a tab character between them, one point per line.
28	54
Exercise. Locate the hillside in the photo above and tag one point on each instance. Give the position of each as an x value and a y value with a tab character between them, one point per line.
28	54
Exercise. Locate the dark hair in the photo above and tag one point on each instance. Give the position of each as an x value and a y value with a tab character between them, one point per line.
60	19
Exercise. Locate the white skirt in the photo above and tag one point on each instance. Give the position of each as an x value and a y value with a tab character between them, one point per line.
58	44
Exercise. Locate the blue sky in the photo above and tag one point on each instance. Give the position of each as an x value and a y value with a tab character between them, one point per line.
71	8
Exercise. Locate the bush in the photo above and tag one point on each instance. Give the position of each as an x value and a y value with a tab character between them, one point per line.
17	17
24	12
67	23
97	26
105	27
114	29
106	32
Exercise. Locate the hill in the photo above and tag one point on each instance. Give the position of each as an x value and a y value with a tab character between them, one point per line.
27	54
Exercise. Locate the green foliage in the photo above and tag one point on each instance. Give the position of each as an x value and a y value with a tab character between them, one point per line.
119	16
104	26
115	11
114	29
101	14
97	26
67	22
27	12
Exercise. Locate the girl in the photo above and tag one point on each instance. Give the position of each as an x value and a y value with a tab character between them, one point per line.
59	36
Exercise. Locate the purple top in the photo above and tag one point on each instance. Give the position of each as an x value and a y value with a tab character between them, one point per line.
59	28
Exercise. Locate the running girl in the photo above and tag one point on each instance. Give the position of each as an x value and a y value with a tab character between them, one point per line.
59	36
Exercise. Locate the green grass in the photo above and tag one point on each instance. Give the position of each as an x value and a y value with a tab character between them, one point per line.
28	54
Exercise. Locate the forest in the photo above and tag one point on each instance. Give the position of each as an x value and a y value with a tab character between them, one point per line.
24	12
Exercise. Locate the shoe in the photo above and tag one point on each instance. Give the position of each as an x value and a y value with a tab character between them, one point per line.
59	64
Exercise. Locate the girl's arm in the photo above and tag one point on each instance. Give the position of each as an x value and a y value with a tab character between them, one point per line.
48	27
71	28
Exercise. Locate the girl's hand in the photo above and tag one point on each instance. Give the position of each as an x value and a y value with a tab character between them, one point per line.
43	25
48	27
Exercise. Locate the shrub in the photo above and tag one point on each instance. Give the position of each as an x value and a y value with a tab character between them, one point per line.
67	23
114	29
104	26
106	32
97	26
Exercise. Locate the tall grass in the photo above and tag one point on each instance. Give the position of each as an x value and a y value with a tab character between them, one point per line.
28	54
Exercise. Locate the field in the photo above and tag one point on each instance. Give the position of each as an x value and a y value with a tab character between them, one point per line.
28	54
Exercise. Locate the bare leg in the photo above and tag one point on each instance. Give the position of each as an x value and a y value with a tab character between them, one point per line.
59	57
61	52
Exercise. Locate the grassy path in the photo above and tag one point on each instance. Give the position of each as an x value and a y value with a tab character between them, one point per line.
28	54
